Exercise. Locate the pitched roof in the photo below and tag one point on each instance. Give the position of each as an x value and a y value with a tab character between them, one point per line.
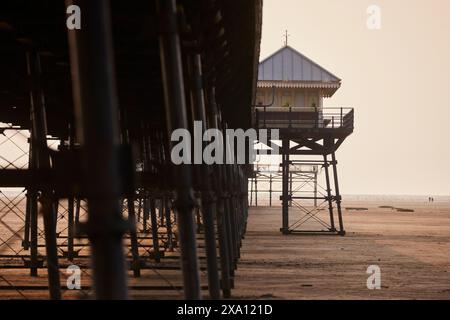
287	64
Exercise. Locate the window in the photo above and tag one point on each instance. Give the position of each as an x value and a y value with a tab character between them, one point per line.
299	99
313	101
286	100
260	98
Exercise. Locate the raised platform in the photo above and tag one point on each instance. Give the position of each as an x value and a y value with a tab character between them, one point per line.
295	122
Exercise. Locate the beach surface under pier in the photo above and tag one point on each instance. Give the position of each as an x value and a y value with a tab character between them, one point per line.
412	250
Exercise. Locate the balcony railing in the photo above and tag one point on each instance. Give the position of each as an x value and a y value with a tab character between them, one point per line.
303	118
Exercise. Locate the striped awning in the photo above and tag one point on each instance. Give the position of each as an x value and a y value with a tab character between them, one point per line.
327	88
298	84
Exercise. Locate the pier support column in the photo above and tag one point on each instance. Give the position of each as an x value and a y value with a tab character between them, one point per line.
251	190
42	158
27	225
131	198
174	96
285	186
167	211
136	265
208	198
270	190
315	188
31	219
256	190
226	269
96	108
155	235
71	205
290	187
328	187
338	195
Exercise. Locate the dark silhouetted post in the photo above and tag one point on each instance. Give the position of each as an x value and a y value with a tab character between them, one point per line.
96	108
174	96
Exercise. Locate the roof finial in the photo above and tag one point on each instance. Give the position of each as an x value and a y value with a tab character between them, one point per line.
286	35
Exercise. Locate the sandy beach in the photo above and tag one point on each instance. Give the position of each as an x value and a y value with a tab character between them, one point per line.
412	250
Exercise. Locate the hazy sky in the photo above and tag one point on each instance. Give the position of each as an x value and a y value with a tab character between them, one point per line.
397	79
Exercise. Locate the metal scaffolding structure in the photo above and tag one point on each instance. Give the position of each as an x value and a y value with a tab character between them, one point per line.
302	179
306	147
310	193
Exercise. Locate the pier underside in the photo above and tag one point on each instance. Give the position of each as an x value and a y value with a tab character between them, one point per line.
86	118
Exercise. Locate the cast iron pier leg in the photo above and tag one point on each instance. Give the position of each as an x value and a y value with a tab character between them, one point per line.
329	197
338	195
133	236
166	201
95	100
70	228
39	136
315	189
26	231
226	280
32	212
131	197
155	237
174	96
285	186
208	199
70	206
77	212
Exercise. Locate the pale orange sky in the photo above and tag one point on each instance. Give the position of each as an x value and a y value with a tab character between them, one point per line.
396	78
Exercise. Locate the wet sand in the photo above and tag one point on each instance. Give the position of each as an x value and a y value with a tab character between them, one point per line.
412	250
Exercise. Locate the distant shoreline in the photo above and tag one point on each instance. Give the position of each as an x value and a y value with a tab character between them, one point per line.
275	196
